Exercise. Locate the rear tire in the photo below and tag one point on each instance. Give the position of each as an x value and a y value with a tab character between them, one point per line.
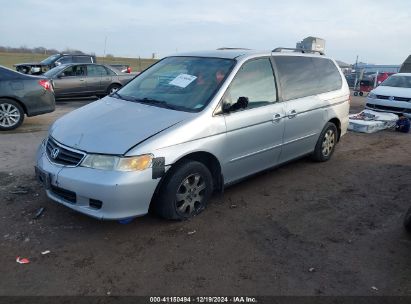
114	87
326	143
11	114
185	191
361	93
355	93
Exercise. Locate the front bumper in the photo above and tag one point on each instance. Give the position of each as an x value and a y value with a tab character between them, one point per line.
383	105
109	195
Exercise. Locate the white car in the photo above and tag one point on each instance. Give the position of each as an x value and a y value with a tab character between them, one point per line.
393	95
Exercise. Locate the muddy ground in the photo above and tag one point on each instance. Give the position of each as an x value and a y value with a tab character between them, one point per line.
306	228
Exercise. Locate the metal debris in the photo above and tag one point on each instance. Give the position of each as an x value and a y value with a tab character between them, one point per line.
39	213
22	260
19	192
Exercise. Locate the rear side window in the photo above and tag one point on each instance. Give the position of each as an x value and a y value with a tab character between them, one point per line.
82	59
65	59
96	71
297	76
110	72
306	76
328	75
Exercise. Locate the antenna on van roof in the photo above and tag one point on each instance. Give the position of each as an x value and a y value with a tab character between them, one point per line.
280	49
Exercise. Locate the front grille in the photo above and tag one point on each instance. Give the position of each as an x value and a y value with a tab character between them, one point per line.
388	109
67	195
395	98
382	97
62	155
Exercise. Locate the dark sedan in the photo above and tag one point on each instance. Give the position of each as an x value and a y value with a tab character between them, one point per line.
21	95
82	80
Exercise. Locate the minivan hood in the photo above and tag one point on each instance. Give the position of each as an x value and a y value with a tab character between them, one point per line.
392	91
113	126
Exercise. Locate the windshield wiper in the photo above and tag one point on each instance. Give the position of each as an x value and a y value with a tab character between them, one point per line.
119	96
151	101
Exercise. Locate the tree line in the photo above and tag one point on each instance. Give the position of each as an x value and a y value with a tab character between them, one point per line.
38	50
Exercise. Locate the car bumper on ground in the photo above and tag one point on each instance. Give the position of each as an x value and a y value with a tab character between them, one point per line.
108	195
382	105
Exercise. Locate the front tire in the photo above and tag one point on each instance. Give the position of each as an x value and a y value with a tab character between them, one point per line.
185	191
11	114
326	143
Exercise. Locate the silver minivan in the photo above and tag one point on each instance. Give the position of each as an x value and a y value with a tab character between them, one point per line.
190	125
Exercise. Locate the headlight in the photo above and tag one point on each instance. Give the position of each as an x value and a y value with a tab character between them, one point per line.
116	163
372	95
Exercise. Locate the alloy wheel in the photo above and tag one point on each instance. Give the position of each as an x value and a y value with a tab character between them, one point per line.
113	89
328	143
9	115
190	194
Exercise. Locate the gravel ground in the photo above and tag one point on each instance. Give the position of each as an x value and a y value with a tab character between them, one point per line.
306	228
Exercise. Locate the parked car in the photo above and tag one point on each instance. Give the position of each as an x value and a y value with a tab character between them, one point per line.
381	77
393	95
38	68
23	95
78	80
190	125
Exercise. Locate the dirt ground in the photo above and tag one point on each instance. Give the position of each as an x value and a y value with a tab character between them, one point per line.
306	228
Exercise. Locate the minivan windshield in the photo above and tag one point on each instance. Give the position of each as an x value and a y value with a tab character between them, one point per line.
50	59
397	81
179	83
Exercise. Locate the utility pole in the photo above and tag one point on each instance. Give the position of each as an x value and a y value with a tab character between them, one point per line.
105	44
356	73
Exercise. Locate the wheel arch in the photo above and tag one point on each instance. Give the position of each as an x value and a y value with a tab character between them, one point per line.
337	123
118	84
206	158
16	100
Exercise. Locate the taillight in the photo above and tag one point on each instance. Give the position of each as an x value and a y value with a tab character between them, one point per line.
45	84
128	70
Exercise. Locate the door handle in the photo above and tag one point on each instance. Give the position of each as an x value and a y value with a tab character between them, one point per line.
277	117
292	114
81	79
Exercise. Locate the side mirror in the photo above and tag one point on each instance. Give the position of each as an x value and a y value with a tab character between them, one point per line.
59	76
226	107
242	103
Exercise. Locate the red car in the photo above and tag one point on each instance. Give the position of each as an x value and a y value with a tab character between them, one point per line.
382	76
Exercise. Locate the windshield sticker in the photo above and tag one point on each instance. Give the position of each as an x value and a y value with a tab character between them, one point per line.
182	80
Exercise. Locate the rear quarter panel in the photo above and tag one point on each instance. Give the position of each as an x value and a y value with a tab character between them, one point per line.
34	98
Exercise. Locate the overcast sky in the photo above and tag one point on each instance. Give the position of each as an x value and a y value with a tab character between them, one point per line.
379	31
